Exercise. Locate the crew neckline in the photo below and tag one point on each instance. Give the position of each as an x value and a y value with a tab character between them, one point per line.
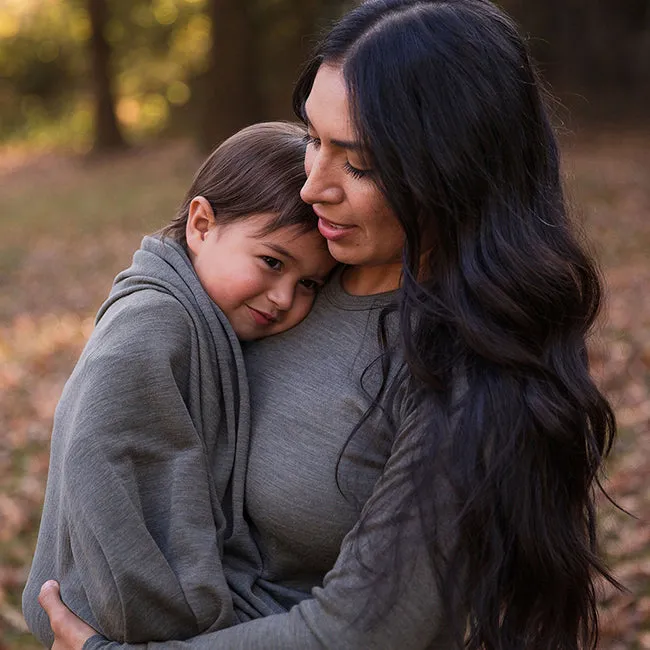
338	296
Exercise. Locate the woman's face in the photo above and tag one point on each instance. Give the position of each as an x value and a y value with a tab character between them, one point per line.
360	228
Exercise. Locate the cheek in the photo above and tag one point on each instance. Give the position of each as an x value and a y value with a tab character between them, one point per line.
368	202
385	229
232	289
301	307
378	214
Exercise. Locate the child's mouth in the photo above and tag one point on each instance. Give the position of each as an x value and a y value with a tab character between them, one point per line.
261	317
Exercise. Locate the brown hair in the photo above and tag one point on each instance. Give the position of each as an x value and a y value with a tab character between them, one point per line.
258	170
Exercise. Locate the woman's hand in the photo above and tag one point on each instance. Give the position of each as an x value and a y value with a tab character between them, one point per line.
70	632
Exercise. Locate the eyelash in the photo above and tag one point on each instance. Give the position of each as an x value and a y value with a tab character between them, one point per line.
314	286
310	140
354	172
276	265
273	263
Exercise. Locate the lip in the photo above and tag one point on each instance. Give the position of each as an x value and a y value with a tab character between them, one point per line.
261	317
333	231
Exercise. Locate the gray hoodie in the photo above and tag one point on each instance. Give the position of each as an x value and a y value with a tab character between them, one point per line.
147	465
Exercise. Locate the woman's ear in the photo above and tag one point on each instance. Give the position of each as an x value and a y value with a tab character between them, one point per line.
200	219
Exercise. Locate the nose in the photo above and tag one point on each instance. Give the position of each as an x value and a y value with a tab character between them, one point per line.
321	185
281	294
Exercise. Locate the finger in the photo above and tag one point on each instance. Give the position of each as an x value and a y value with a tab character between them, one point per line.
49	599
49	594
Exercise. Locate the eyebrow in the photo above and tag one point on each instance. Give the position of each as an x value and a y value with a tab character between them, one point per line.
344	144
280	250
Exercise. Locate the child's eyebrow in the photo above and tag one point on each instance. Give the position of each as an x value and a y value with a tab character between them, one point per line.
280	250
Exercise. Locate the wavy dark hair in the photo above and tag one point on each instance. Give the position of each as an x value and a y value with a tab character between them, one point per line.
494	322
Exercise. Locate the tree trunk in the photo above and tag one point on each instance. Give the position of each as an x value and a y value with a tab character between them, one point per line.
232	95
297	19
299	25
107	132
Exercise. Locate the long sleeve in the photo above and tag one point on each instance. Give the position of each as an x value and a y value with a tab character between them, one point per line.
132	526
410	613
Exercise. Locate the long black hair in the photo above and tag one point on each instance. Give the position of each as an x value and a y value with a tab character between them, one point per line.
498	298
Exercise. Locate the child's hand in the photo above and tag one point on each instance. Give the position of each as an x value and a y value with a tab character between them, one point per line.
70	632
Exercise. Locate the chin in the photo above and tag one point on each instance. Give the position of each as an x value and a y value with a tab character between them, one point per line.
347	254
246	337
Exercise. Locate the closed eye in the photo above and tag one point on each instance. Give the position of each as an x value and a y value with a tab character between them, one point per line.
355	172
272	262
310	140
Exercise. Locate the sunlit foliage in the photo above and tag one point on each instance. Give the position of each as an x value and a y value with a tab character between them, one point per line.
159	48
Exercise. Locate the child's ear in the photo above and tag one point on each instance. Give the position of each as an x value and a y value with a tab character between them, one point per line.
200	219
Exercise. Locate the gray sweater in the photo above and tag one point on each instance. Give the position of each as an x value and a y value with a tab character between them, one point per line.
310	549
148	456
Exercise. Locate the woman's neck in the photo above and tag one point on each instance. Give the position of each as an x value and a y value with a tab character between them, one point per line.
369	280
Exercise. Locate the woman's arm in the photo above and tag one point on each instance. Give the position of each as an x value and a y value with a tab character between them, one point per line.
131	524
409	612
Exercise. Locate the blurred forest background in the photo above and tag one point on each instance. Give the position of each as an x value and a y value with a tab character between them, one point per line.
106	108
99	73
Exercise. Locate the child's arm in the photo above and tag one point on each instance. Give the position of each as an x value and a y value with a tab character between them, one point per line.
131	525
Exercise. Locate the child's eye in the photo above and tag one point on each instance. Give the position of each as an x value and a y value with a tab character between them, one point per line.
312	141
272	262
355	172
310	285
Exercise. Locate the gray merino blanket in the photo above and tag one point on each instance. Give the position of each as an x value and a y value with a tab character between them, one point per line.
148	459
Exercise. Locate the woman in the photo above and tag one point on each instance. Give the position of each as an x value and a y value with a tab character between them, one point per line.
463	420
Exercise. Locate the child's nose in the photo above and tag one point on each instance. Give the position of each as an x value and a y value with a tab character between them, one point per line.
281	295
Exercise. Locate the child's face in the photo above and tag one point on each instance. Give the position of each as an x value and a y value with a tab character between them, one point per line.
263	284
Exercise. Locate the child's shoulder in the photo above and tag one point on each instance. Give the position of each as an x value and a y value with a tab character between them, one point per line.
148	306
141	339
145	319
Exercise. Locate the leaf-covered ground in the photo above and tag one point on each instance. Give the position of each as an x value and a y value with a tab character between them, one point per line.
67	225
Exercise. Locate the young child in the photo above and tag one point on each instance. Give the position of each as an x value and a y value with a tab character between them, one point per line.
153	424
